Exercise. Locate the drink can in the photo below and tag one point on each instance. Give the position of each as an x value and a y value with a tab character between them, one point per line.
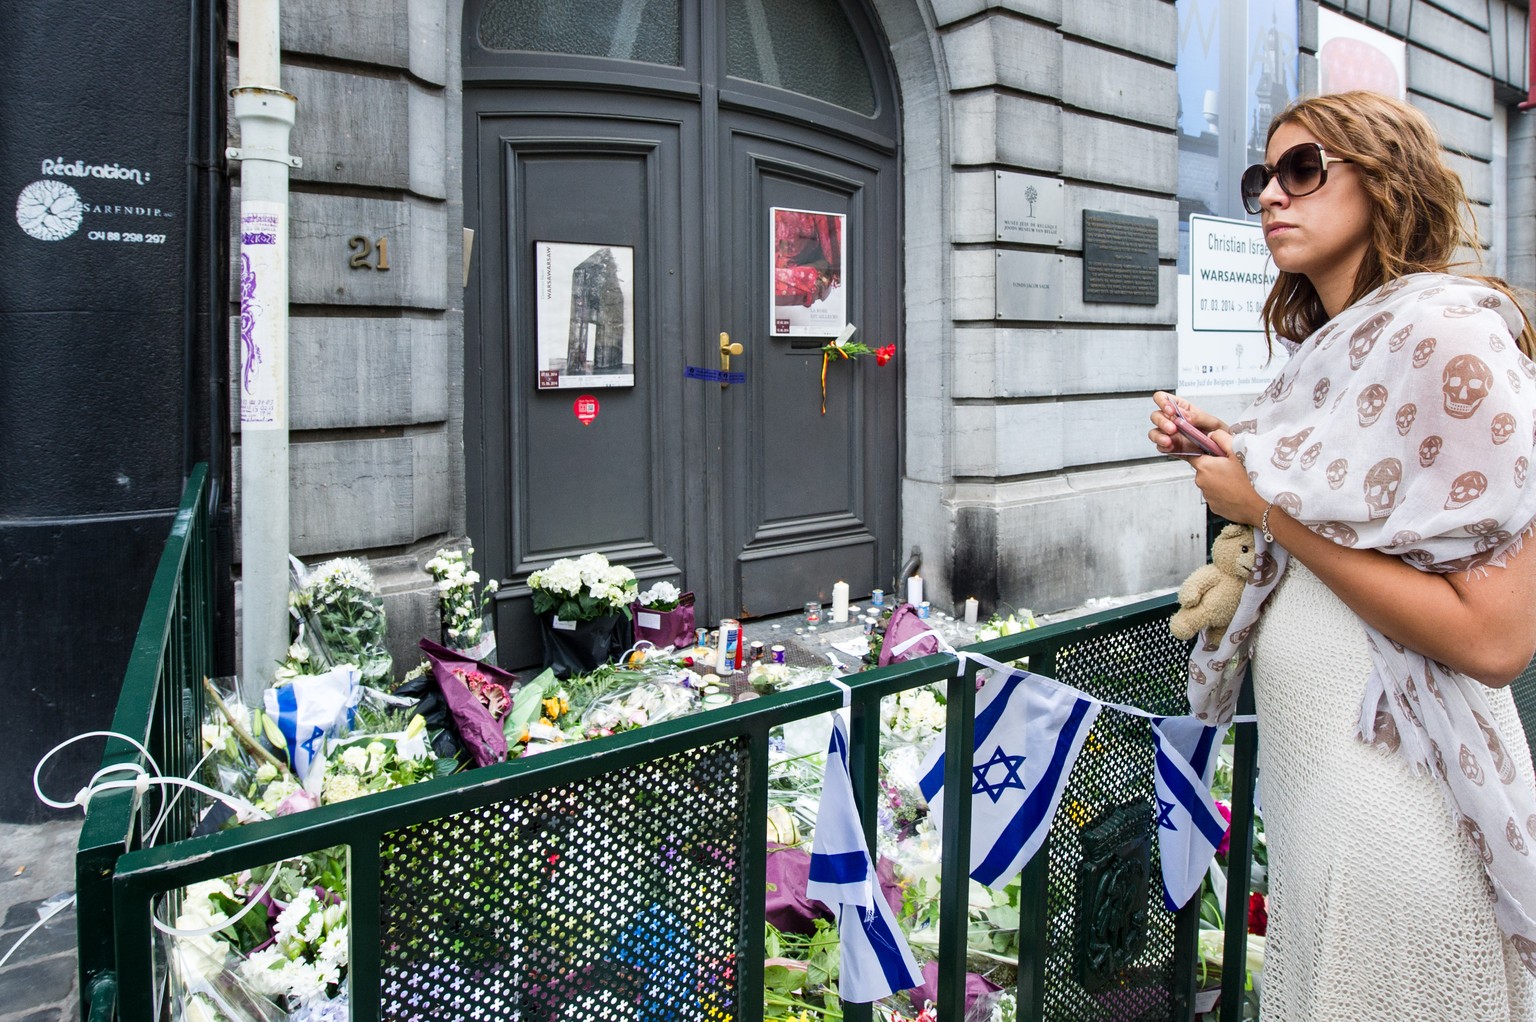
728	653
778	653
877	598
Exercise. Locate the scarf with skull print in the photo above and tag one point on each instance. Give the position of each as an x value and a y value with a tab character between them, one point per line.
1405	424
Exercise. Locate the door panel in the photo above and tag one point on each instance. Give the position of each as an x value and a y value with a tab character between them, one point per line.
551	486
816	493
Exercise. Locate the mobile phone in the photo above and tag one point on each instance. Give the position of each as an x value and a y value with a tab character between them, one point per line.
1200	439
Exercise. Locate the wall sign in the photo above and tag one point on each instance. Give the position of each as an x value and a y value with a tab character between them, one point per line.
1230	274
1028	285
586	409
585	304
1119	258
1029	208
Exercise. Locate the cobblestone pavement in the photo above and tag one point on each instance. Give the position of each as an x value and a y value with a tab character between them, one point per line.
37	862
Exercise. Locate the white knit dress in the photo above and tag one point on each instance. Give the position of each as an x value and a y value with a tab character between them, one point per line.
1379	910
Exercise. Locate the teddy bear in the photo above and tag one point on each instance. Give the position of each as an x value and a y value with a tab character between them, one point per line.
1208	598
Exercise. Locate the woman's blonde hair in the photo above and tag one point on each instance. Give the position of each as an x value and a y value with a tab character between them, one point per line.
1417	202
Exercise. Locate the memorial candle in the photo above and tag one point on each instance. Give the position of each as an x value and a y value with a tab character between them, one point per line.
915	590
840	602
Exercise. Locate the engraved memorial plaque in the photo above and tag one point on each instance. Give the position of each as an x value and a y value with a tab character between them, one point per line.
1119	258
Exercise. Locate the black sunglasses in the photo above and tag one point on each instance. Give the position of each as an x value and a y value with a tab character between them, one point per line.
1302	170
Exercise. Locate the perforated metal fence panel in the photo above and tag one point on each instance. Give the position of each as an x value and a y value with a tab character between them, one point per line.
616	897
1111	951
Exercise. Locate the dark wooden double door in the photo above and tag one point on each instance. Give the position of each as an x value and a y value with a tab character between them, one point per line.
747	493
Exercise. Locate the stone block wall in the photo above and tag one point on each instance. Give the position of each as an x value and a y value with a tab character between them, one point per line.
376	355
1044	497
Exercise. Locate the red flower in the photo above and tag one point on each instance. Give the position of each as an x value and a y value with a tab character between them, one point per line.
885	354
1258	914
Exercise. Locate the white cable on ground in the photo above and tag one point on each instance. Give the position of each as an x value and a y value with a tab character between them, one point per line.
45	912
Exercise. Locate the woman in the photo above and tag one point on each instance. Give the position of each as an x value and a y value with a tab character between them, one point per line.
1384	471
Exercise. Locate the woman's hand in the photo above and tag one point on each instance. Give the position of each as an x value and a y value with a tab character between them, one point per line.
1165	436
1225	484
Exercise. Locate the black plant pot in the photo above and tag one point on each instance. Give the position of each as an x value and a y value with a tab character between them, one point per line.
580	647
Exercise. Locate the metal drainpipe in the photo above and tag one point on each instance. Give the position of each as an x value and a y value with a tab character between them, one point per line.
266	115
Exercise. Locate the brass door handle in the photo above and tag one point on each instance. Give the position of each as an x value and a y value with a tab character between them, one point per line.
727	349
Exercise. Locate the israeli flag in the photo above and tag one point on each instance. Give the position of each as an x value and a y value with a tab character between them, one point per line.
875	959
1189	826
310	709
1029	731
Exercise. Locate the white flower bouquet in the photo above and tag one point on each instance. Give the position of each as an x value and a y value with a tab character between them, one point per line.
461	608
583	588
664	616
285	950
341	612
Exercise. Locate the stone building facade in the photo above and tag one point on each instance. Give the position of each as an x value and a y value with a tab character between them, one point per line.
1025	475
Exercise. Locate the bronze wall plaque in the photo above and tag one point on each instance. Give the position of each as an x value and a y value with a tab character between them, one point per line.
1119	258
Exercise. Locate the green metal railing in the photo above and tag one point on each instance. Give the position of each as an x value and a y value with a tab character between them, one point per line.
437	870
161	706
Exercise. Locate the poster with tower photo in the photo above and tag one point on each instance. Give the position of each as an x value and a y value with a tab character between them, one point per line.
808	260
584	308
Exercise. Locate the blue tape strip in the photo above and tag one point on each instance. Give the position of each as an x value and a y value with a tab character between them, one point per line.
713	375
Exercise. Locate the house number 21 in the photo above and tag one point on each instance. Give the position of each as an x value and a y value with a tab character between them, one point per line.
362	248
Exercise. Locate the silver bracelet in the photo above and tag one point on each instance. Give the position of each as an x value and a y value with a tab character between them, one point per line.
1264	524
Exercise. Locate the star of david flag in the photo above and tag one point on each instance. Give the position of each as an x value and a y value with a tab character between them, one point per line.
311	709
1029	731
875	959
1189	826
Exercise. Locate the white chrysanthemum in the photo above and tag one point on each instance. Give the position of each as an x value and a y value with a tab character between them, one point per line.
292	917
265	970
333	950
313	928
355	758
305	981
